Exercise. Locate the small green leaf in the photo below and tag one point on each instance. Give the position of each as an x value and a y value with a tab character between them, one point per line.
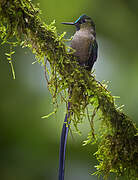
47	116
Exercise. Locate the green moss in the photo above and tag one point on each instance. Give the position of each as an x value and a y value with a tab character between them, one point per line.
118	140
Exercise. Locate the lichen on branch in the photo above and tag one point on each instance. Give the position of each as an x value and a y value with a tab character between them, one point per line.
20	24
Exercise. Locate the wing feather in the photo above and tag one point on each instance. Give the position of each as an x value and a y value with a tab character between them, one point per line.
92	55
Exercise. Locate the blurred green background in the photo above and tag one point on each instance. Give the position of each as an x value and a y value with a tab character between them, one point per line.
29	145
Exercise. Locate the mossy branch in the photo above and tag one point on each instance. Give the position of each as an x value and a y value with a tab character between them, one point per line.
21	24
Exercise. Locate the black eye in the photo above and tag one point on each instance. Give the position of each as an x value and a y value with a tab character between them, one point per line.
83	20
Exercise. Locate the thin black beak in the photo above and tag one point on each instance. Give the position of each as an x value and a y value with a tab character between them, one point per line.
68	23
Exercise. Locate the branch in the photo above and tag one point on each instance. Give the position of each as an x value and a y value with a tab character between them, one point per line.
118	142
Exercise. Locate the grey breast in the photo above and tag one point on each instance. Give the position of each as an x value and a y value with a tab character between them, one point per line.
81	43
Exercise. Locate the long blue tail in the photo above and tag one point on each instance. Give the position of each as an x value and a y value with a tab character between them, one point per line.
63	142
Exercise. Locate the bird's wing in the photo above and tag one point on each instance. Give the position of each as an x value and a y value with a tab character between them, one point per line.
93	51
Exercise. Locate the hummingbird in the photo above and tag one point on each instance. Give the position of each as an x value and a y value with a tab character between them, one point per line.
85	45
84	41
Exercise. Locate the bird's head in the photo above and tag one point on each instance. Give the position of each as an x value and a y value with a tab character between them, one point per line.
82	21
